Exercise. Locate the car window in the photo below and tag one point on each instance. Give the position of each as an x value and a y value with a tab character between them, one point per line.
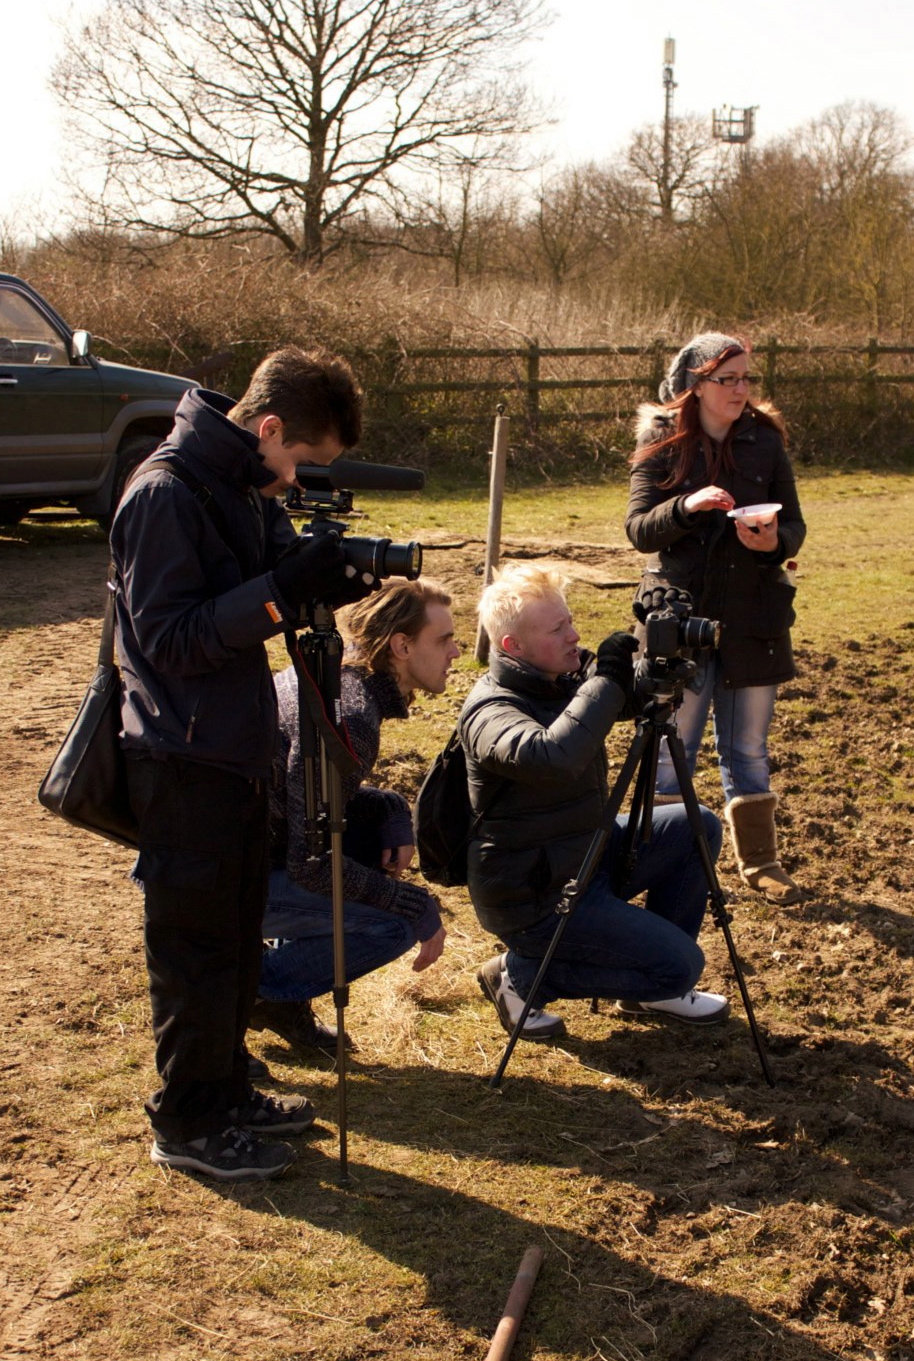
27	337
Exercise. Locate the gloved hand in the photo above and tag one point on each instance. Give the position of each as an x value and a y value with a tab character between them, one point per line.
355	586
614	659
661	598
310	568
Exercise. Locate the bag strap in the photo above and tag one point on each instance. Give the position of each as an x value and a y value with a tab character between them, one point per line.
452	743
106	642
201	493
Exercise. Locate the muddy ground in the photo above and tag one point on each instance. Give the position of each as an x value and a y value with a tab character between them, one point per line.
686	1209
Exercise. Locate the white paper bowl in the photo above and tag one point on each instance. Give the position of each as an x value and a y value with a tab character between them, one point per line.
761	514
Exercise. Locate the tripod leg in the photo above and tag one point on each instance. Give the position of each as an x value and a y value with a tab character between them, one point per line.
340	986
716	896
575	887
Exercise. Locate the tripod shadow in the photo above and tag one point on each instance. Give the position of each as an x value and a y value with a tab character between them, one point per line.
787	1145
464	1252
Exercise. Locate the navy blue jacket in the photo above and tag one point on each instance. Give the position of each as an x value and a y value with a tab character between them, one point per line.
193	610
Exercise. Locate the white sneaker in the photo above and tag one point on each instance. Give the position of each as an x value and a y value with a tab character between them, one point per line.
695	1008
496	984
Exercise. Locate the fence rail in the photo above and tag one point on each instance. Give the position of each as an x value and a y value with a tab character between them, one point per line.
573	404
527	374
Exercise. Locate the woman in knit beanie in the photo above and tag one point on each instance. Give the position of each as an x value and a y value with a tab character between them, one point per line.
707	450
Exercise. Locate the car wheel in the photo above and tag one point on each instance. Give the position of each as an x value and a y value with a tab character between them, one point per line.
129	457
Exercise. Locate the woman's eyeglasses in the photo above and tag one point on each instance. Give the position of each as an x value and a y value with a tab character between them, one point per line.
732	380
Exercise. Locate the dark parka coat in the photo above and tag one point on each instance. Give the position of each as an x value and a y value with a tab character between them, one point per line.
193	610
749	593
537	746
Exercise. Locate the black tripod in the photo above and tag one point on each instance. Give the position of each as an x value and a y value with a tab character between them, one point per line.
666	680
326	758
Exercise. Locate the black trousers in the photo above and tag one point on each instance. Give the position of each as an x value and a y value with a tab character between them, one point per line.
203	864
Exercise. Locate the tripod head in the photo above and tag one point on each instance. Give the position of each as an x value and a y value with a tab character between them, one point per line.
659	685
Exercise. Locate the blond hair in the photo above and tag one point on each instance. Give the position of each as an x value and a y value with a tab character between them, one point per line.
503	601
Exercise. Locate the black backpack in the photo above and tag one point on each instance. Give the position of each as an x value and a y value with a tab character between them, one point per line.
443	819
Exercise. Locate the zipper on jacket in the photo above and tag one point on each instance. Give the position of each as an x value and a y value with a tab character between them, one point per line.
191	723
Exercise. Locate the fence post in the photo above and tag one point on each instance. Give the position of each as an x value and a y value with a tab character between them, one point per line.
872	387
499	457
658	365
533	385
771	367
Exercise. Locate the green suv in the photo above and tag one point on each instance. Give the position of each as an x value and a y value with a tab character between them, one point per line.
72	427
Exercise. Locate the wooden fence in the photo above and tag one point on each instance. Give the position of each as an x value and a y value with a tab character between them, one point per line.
571	407
528	376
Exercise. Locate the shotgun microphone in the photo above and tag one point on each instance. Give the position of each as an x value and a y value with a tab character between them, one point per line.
349	474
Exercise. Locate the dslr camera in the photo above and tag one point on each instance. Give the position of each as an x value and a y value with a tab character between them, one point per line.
325	493
671	628
670	632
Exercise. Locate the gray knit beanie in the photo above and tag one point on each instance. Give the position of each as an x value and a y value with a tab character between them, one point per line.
699	351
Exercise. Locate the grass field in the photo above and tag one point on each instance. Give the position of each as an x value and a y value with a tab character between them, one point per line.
687	1211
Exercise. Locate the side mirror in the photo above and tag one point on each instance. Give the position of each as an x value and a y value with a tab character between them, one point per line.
81	345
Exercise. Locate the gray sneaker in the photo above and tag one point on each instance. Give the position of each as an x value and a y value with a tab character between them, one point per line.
274	1114
233	1155
496	984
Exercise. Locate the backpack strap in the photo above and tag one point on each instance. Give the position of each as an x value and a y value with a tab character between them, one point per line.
201	493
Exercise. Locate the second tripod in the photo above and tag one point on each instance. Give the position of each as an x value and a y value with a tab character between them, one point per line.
654	726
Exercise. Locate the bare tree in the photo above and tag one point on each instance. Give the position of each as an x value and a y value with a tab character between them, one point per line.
461	217
676	176
285	117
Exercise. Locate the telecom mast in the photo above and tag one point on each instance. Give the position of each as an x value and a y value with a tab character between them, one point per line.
735	126
669	85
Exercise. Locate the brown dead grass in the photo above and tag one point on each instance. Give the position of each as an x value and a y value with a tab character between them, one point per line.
686	1210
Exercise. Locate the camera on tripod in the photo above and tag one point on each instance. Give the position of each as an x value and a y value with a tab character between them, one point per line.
671	628
325	493
670	632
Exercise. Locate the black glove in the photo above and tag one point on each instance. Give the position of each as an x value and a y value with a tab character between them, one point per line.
661	598
355	586
310	568
614	659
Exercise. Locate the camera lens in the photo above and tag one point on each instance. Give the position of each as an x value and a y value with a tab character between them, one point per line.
701	633
382	558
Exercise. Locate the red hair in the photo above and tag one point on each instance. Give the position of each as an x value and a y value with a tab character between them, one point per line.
688	435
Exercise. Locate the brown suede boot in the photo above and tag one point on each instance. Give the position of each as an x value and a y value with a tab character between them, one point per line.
751	821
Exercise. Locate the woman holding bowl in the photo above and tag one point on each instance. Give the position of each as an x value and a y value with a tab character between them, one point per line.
706	453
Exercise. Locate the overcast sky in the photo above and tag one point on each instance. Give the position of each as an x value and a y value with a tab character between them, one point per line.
599	67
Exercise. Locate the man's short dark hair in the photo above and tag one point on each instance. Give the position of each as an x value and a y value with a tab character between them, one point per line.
313	392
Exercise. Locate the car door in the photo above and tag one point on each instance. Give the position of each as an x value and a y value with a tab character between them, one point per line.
50	403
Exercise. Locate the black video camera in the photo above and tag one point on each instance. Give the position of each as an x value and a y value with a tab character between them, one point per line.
326	492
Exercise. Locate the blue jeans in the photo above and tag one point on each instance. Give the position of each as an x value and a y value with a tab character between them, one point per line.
741	722
301	965
609	948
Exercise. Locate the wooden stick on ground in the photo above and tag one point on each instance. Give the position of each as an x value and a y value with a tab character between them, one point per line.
521	1290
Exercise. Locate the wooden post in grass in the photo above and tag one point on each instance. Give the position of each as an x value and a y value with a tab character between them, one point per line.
499	457
516	1306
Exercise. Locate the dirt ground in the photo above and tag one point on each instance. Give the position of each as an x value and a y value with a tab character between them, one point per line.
687	1210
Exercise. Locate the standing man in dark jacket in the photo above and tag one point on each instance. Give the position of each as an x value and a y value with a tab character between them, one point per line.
534	730
207	567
